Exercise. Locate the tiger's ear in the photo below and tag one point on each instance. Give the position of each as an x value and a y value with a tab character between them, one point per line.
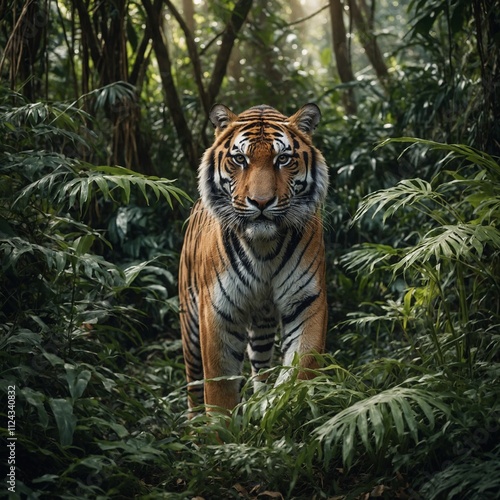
306	118
221	116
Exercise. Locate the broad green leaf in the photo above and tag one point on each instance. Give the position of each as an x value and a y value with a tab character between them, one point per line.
362	423
409	416
349	443
377	424
46	478
37	399
77	379
397	417
65	420
103	186
83	244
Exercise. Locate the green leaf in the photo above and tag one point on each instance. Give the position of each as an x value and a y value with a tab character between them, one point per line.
83	244
65	420
46	478
377	422
375	419
77	379
409	416
363	430
397	417
37	399
349	444
103	186
132	272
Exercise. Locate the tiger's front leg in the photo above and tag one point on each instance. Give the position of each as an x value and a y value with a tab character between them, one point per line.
222	349
304	323
261	336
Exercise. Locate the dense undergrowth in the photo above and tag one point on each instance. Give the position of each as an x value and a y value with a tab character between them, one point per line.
406	403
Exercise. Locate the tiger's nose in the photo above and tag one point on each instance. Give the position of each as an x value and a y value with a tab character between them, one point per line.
261	202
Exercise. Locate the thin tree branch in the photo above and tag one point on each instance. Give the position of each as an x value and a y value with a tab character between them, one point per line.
340	49
369	43
171	96
193	55
310	16
141	57
238	16
88	30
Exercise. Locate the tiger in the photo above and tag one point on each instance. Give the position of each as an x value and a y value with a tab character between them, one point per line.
253	259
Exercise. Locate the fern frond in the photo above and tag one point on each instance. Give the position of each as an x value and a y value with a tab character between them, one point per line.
114	183
379	421
475	156
409	192
14	248
368	257
455	242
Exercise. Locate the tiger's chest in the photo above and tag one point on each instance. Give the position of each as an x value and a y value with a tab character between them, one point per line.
264	280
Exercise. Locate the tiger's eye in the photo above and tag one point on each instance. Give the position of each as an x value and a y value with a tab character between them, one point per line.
283	159
240	159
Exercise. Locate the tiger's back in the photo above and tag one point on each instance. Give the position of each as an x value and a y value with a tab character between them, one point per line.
253	256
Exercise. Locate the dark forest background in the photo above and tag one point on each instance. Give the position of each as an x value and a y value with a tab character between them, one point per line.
103	118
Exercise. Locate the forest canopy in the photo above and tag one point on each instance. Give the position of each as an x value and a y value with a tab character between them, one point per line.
104	111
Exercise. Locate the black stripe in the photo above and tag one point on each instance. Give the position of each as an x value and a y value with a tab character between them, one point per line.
264	326
237	335
238	291
289	251
195	371
194	339
192	323
304	272
303	285
239	356
306	159
222	314
313	170
301	307
267	336
275	126
195	362
226	295
242	256
213	191
263	363
291	336
262	347
218	310
233	259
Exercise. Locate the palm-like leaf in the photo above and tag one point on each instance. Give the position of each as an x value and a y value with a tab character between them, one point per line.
407	192
473	155
456	242
378	421
114	183
368	257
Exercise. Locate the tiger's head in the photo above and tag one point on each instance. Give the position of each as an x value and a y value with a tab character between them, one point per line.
263	174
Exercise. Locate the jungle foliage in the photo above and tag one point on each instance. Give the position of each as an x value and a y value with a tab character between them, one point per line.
104	104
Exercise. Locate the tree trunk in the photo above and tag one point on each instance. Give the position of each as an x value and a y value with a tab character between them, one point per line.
25	47
342	56
369	41
188	11
238	16
487	23
173	102
193	56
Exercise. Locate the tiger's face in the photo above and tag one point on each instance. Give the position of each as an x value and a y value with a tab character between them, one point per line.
262	174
